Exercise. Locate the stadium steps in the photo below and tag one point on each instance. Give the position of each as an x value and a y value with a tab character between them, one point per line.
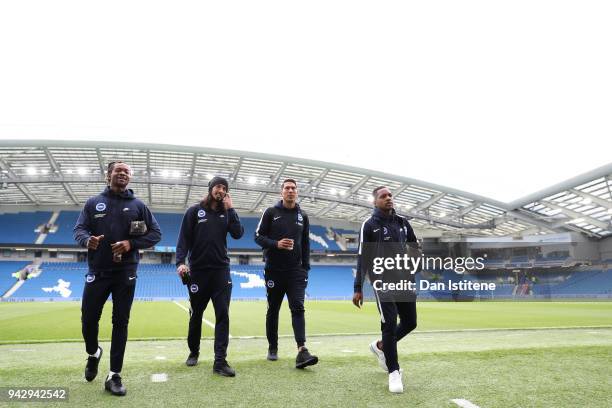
8	282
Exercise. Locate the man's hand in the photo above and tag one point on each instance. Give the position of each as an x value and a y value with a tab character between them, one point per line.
182	270
227	202
93	242
285	243
358	299
121	247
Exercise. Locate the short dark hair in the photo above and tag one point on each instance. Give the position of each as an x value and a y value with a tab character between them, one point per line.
376	190
112	164
289	180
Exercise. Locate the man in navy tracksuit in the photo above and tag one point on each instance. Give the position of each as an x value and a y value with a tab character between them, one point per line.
386	234
202	239
113	226
283	233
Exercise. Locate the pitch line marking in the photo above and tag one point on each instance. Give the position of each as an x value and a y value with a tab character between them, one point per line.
208	323
320	335
161	377
463	403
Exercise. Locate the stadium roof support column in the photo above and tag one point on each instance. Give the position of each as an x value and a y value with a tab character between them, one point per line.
316	181
101	163
192	170
530	219
465	210
149	171
599	201
428	203
327	209
56	169
350	192
271	184
234	174
575	214
24	190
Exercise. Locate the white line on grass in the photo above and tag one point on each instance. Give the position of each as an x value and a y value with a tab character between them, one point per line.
161	377
416	332
203	319
464	403
160	358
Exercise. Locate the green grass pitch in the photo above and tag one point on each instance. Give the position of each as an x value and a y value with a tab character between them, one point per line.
494	354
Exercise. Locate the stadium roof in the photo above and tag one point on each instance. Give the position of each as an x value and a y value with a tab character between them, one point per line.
39	173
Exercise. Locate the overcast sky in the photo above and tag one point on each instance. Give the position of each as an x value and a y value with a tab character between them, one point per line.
498	98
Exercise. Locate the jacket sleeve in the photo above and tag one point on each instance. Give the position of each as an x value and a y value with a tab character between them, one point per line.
363	256
306	244
262	231
410	237
153	235
185	238
234	226
82	229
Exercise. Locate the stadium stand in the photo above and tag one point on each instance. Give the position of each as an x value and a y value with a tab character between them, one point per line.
595	282
248	239
65	280
319	240
7	269
19	228
170	224
65	224
550	261
51	278
60	280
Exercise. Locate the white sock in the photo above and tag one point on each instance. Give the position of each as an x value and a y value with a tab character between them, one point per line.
96	354
110	374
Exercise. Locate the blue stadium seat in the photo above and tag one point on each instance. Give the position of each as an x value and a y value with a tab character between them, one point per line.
19	228
170	224
7	268
65	226
73	273
157	281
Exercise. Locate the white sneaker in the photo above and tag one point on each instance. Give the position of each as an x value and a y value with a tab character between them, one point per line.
395	382
380	356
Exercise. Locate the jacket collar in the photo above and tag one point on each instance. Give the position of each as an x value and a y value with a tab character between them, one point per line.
280	205
128	193
378	213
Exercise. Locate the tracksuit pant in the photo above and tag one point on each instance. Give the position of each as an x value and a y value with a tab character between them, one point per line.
97	290
293	284
392	332
215	285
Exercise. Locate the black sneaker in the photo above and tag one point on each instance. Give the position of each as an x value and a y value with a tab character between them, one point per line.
305	359
114	386
223	369
192	359
272	354
91	369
